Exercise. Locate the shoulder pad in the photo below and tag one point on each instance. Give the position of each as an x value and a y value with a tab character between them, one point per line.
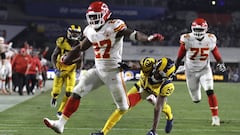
59	41
118	25
184	38
187	36
212	37
88	32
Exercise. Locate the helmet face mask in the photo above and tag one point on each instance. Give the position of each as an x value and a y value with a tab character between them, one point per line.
74	32
147	64
95	20
199	28
97	14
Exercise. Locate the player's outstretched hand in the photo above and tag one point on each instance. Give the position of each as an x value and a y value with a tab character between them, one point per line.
123	65
155	37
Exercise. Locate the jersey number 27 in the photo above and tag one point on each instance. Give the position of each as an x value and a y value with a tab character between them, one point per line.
104	45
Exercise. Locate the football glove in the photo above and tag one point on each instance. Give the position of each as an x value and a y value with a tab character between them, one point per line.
57	72
221	67
155	37
151	132
123	65
180	69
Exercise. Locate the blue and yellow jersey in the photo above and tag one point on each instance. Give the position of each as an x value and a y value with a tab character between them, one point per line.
65	47
163	88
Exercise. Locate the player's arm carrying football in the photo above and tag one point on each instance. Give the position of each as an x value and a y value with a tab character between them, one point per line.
74	55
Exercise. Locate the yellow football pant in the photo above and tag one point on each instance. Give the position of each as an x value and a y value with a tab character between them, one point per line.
69	79
117	114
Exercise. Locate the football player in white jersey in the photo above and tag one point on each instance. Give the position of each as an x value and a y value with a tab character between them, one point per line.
7	74
6	52
105	35
196	48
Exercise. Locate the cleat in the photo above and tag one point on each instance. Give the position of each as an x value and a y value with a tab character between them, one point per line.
54	125
151	133
98	133
59	114
169	125
215	121
53	102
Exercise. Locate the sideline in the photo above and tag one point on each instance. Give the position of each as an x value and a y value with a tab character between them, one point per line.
8	101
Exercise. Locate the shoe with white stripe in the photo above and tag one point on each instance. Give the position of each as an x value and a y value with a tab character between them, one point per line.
54	125
215	121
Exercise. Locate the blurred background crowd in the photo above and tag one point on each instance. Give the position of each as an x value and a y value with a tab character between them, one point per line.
170	17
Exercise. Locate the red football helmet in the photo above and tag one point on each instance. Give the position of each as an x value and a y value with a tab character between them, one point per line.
97	14
199	27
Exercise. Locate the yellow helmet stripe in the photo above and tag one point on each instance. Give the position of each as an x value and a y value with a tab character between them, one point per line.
164	64
76	28
170	71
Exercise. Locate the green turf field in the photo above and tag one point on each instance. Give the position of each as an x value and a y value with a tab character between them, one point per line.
190	119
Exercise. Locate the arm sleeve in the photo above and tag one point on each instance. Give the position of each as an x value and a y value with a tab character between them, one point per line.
181	54
181	51
216	54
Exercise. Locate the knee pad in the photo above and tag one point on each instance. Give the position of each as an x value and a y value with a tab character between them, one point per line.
209	92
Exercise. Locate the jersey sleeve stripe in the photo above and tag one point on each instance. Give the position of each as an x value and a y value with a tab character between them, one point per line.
120	27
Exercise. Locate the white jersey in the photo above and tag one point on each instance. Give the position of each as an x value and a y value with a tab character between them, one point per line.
9	54
4	47
198	52
43	62
107	48
6	66
108	52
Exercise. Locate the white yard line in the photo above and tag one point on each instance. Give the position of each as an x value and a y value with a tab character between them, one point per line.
8	101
